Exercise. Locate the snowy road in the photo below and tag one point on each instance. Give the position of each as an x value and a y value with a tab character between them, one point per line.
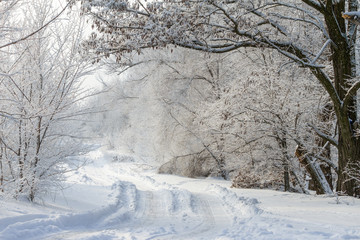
128	200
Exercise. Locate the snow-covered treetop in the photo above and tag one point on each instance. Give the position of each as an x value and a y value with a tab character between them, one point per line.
212	26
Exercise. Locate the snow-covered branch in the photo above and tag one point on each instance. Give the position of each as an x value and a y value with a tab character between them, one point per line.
329	41
326	137
39	29
350	94
319	5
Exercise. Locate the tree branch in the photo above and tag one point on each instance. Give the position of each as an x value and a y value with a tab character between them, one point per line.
41	28
321	51
316	5
324	136
326	161
350	94
217	49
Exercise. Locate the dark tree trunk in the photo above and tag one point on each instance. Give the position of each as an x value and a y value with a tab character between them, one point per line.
286	178
349	155
1	170
343	67
281	140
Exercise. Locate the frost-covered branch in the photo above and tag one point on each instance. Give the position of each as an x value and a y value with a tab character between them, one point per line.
350	94
39	29
327	161
217	48
324	136
319	5
321	51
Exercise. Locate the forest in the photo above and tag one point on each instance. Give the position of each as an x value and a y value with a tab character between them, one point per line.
261	93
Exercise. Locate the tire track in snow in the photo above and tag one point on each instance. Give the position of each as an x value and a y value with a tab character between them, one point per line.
123	210
180	208
216	211
173	212
208	222
159	211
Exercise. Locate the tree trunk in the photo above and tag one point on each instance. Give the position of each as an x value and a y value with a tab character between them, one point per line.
343	67
281	140
1	170
286	178
321	185
349	155
302	186
36	161
20	159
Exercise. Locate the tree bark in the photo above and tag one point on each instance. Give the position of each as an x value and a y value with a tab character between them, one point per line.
343	67
286	178
282	142
1	170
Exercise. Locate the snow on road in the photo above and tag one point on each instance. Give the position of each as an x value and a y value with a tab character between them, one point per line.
128	200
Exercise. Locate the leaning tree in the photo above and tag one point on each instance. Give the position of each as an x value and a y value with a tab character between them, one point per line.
312	33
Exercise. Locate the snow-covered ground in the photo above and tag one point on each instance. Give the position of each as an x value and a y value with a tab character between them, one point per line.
126	199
